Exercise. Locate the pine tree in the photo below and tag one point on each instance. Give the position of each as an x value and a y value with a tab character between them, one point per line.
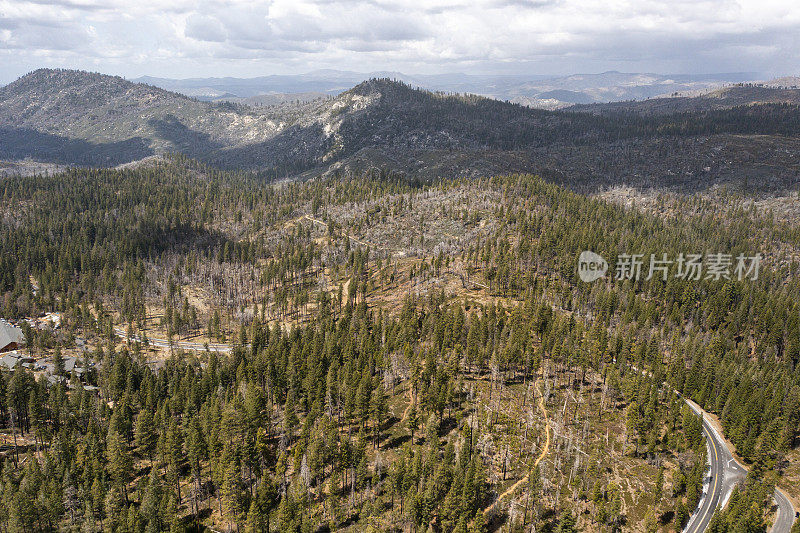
151	502
566	522
146	437
479	523
257	520
58	362
120	463
232	489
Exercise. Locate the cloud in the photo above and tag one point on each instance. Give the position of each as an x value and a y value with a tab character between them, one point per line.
238	37
205	28
35	28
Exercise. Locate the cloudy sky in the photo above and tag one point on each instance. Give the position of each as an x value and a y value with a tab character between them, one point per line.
250	38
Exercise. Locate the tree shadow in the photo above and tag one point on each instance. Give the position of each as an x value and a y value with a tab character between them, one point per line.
398	441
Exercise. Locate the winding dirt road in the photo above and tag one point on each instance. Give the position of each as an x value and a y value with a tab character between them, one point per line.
542	455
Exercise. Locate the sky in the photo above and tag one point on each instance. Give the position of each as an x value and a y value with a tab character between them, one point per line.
527	37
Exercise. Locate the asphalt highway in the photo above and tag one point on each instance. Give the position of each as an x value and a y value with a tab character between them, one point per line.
724	473
786	514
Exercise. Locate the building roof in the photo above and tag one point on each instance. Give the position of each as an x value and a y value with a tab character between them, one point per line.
53	318
10	360
10	334
70	364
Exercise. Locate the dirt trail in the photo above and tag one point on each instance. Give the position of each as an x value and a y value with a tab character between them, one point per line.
542	455
354	239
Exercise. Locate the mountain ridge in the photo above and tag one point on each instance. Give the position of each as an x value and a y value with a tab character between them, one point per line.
89	119
528	89
716	99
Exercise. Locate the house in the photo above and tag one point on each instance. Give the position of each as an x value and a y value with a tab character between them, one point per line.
11	337
10	360
70	364
53	319
52	380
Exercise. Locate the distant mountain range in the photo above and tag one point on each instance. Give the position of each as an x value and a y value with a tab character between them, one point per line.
715	99
742	132
531	90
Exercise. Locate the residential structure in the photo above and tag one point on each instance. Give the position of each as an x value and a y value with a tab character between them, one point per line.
11	337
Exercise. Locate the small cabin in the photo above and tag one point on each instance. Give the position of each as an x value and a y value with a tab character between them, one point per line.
11	337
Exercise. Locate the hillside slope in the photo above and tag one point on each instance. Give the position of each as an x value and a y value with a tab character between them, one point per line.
78	118
83	118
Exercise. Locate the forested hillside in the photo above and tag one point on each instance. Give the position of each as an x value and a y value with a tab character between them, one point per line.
365	352
78	118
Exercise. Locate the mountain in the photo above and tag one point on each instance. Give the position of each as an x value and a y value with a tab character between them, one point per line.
79	118
84	118
717	99
273	99
554	93
323	81
786	82
528	89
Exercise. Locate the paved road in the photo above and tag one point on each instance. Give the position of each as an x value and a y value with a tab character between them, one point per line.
724	473
785	519
162	343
